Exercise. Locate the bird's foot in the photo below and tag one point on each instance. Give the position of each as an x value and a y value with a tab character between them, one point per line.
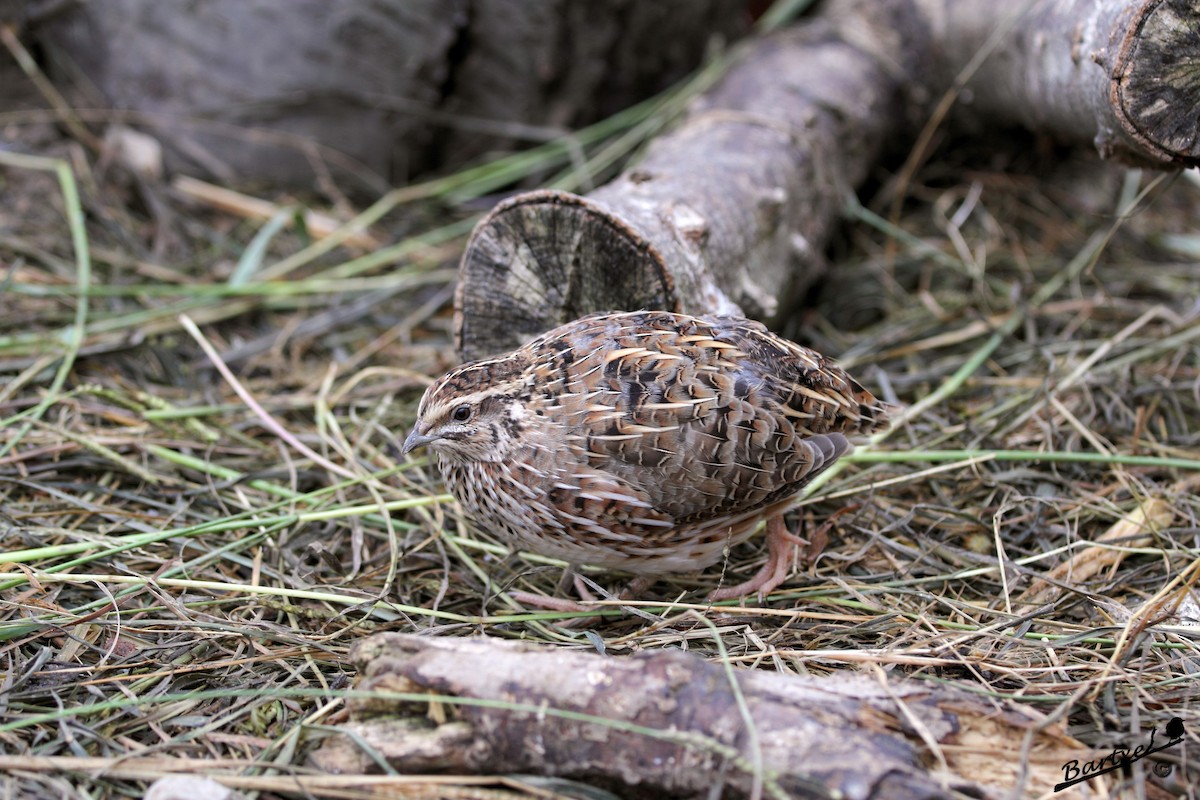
779	563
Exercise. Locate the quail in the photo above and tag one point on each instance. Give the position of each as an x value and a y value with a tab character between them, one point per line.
646	442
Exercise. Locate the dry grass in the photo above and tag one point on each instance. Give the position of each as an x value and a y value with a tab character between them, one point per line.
202	503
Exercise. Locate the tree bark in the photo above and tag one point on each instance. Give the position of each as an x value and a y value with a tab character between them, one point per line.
374	90
669	724
730	212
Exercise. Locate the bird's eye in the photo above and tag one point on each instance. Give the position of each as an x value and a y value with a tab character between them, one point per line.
461	413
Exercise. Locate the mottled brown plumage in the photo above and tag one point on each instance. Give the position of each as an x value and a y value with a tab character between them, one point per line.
643	441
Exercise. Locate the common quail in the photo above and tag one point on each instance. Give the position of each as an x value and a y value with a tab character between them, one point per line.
643	441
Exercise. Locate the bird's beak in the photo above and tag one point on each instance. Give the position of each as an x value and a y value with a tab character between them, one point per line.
416	439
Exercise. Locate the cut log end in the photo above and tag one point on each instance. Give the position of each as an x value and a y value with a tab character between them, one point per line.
545	258
1157	78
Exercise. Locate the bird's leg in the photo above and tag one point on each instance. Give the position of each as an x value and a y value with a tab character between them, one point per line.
573	576
570	575
775	571
547	602
633	589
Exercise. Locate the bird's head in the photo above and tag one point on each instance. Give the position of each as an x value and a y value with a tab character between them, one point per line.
475	412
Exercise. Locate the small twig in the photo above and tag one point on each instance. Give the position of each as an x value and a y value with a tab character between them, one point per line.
320	225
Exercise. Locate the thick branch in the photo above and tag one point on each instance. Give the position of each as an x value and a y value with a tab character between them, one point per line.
1124	76
668	723
254	90
729	212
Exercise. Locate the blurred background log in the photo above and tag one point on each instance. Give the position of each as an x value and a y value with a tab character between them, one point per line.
375	93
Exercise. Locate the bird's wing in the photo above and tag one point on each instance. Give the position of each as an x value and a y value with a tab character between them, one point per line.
702	417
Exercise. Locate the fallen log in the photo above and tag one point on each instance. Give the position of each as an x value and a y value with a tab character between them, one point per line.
730	212
725	214
670	724
372	92
1113	74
